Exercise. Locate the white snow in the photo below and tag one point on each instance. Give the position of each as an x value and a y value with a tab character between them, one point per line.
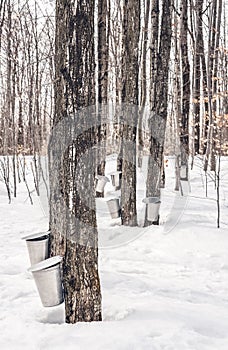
164	287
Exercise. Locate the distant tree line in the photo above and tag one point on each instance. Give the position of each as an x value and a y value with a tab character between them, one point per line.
26	73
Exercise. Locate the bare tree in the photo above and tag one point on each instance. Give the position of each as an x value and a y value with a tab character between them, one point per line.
72	189
130	95
185	84
197	76
160	56
215	12
103	62
144	78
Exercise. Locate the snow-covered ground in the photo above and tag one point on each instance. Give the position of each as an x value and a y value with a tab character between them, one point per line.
164	287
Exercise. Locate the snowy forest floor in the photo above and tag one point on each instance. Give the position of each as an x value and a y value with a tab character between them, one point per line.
163	287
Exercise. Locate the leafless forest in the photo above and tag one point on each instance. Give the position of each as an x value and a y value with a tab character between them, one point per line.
154	75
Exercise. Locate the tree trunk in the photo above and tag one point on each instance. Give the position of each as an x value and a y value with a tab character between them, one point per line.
160	57
130	49
213	44
144	84
103	58
72	163
185	83
215	86
197	77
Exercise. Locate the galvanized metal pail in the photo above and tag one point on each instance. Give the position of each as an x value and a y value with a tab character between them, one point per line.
37	245
116	179
183	172
153	206
101	182
114	207
47	276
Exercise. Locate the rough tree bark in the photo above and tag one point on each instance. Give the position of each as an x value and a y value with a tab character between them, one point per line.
185	84
144	85
197	76
215	85
103	58
72	166
160	56
130	69
2	21
213	44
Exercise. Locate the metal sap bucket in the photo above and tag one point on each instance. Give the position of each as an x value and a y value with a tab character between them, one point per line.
183	172
153	206
116	179
37	245
101	182
47	276
114	207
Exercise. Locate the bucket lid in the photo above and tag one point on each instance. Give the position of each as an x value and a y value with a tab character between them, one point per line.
42	265
113	199
115	172
36	235
151	200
